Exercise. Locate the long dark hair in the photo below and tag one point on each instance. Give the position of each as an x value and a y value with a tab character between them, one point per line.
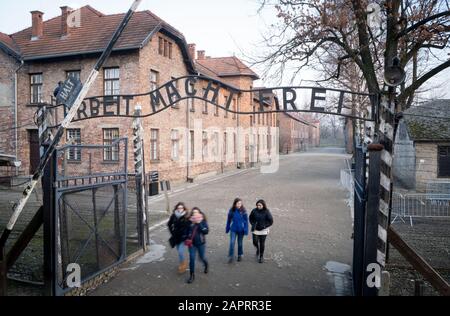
263	204
185	208
236	200
200	211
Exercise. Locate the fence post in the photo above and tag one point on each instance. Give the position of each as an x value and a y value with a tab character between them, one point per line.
418	288
3	271
386	132
371	215
49	225
138	167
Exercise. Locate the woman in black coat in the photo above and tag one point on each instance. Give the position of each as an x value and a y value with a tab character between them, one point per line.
196	241
178	226
260	219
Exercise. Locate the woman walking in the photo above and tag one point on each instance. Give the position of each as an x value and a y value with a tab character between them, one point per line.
237	226
196	240
260	219
178	227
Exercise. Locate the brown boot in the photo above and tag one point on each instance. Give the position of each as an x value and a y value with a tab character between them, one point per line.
182	267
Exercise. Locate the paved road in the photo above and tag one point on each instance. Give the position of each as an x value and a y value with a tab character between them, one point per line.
312	227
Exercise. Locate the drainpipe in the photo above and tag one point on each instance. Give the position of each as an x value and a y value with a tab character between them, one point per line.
238	135
15	113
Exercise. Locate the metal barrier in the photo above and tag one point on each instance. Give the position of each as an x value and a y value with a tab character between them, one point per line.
420	205
438	187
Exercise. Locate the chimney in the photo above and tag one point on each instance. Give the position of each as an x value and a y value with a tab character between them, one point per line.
65	11
191	48
37	26
201	55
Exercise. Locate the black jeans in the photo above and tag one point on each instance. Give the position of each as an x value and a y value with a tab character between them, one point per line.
259	242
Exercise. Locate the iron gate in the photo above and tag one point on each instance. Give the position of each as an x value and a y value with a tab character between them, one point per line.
360	198
91	210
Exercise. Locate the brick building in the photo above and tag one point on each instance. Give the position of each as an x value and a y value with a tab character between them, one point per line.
298	131
182	142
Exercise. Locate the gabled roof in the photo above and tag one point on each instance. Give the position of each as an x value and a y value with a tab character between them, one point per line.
429	121
8	45
227	67
94	34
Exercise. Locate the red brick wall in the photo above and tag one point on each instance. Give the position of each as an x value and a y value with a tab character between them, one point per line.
8	65
135	70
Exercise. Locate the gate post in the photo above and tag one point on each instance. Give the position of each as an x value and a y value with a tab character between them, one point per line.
386	134
371	216
3	272
49	225
139	167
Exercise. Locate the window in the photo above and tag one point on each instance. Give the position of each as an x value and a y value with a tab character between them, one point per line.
226	112
73	136
170	50
443	161
225	145
110	153
154	80
234	109
254	116
154	144
36	88
205	107
204	145
73	74
215	149
191	135
160	46
166	48
175	137
177	86
112	81
191	104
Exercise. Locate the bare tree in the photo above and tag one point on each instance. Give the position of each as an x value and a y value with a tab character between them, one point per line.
337	33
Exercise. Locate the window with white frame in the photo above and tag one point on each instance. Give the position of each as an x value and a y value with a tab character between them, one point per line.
73	137
112	81
204	145
36	88
154	144
110	153
175	137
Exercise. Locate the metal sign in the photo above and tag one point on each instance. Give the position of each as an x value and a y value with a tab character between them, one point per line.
69	91
284	99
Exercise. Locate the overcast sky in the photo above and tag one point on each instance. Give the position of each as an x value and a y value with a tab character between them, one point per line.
221	28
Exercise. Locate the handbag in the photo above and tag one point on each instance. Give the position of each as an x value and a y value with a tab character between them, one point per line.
172	242
188	242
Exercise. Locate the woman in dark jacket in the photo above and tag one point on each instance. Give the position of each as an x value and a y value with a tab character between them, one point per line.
260	219
237	226
178	227
197	241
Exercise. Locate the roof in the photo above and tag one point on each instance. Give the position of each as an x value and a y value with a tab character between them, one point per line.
429	121
93	35
211	74
227	67
8	45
